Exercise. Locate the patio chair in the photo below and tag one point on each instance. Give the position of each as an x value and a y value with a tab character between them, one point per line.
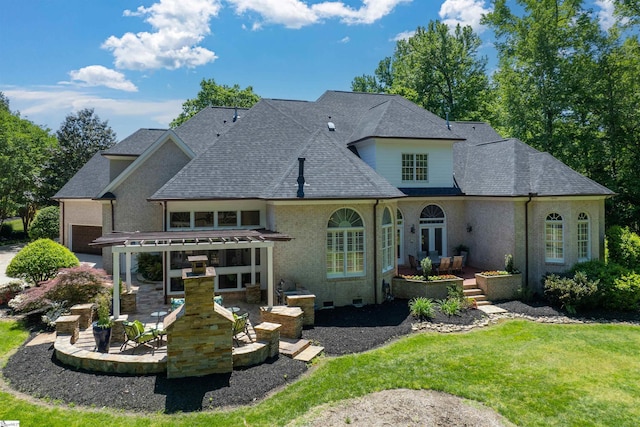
241	326
435	258
136	335
445	265
456	266
414	264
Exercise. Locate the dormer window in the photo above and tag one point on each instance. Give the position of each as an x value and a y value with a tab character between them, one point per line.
415	167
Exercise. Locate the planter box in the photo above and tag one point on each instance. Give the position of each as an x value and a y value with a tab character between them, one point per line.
407	289
505	287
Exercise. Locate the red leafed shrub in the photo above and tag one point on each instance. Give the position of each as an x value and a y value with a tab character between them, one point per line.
76	285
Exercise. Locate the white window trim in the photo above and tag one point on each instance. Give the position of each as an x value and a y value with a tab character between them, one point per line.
586	222
414	167
388	245
216	226
345	231
554	223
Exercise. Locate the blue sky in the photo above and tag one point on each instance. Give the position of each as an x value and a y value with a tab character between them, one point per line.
136	61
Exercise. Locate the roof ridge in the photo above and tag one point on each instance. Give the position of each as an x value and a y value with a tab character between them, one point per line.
284	113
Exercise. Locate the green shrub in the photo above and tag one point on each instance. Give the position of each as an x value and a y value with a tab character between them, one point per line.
623	247
625	293
6	230
569	293
103	306
422	308
46	224
618	287
450	306
150	266
508	265
40	260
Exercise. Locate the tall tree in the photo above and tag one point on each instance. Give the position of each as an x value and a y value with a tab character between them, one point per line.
80	136
566	86
217	95
24	148
438	68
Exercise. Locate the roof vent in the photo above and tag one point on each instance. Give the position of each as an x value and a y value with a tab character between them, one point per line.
235	114
331	126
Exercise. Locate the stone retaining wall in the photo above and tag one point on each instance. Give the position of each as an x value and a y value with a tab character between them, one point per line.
69	354
408	289
505	287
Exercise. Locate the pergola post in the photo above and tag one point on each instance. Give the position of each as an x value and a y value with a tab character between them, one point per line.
270	275
127	273
116	284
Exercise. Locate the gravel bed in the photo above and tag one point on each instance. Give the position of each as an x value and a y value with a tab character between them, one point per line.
35	371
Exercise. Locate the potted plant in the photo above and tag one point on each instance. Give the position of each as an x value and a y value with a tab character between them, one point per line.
102	326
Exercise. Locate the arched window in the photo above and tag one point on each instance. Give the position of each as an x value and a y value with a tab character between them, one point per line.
554	238
432	214
387	240
345	244
584	237
399	236
433	236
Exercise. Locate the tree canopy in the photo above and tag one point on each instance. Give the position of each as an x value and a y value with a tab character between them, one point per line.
217	95
24	148
80	136
438	68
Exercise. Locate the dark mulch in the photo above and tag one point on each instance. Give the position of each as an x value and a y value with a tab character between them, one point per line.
35	371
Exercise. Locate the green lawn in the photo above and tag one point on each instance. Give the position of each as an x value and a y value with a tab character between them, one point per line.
533	374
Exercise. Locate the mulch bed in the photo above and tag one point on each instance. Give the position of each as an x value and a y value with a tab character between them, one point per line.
35	371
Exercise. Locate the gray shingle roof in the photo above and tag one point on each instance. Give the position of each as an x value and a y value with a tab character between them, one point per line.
88	181
136	143
203	129
395	119
475	132
259	158
509	167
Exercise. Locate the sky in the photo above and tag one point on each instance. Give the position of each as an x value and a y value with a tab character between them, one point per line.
136	61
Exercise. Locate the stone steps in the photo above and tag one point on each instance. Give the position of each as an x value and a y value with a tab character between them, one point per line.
309	353
472	291
291	347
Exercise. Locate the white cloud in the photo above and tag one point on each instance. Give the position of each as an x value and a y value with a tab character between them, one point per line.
405	35
297	14
97	75
48	106
345	39
606	14
179	26
464	12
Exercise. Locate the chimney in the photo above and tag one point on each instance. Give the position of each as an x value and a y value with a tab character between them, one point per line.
301	177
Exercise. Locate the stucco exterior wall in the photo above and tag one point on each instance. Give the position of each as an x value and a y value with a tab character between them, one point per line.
303	259
455	220
78	212
131	209
569	209
496	227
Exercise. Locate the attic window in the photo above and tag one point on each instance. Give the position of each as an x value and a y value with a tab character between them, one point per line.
331	126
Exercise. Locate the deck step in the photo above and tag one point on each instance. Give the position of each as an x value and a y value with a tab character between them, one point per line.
472	292
478	298
484	302
472	285
309	353
291	347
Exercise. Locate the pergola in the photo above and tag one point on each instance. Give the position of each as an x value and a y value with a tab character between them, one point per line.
168	241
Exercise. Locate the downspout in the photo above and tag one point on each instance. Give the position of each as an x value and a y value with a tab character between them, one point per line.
64	230
375	252
526	238
113	220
